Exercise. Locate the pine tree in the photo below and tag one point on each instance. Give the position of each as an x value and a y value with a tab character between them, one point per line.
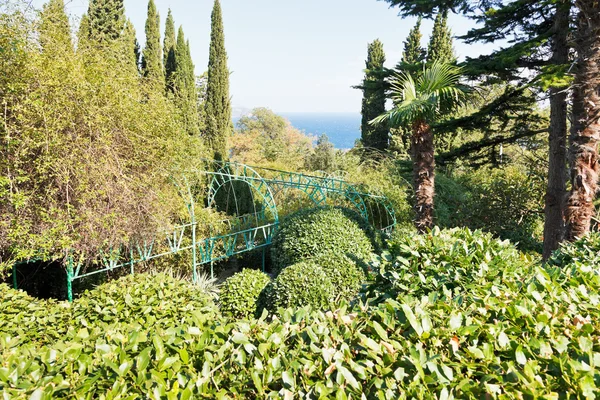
169	50
413	52
83	34
106	20
152	67
218	108
184	85
373	102
55	31
440	43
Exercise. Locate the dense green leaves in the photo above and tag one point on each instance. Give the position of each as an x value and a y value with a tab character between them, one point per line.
240	292
321	233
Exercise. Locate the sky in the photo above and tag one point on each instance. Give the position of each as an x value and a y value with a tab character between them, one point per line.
292	56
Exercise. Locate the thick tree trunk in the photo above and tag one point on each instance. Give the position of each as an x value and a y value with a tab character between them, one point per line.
585	129
557	155
422	153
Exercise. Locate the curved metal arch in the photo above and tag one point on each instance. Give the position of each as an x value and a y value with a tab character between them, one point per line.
239	172
301	182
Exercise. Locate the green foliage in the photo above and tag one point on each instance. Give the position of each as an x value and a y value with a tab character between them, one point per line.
142	300
184	85
169	43
240	293
299	285
345	274
106	20
444	264
152	67
581	254
507	202
323	156
59	192
217	107
321	233
373	102
414	53
440	43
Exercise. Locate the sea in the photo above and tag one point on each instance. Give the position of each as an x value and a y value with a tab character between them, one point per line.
342	129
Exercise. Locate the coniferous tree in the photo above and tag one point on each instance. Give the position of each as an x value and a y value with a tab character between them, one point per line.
373	102
169	50
130	48
152	67
184	85
218	108
55	31
106	20
440	43
83	34
413	52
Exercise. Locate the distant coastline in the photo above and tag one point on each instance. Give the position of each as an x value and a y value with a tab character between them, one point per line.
342	129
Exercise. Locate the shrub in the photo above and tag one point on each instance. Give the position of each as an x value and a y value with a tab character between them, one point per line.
446	263
321	233
240	292
345	274
577	264
299	285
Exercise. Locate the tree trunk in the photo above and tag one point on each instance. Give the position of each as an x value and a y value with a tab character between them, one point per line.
554	224
585	129
422	153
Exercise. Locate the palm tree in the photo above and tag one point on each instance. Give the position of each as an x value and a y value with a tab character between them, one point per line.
418	103
585	128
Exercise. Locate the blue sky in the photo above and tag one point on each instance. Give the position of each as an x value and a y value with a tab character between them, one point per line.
292	56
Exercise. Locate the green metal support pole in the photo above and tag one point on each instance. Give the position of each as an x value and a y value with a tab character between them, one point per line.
131	261
212	270
15	277
70	278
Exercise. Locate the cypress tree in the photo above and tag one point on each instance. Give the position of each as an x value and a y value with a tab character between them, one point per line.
152	67
129	48
218	108
169	50
184	85
440	43
83	34
413	52
106	20
373	102
55	31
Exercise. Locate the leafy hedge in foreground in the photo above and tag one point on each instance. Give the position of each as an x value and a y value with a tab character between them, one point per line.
526	333
145	300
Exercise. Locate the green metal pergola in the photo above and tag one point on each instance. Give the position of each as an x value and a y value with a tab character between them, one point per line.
249	228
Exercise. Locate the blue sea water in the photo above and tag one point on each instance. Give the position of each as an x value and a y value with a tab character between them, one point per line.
342	129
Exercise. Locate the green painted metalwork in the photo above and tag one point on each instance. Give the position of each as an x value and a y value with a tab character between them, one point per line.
238	233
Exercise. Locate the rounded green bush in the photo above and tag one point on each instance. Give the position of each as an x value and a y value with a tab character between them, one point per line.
299	285
321	233
345	274
240	293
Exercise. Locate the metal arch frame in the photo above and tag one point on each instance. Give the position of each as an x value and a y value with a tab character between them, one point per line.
240	238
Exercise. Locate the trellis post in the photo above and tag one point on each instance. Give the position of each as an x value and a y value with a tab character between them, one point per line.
70	278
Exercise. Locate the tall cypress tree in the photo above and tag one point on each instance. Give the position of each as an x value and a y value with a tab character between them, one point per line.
440	43
55	31
184	85
413	52
83	34
373	102
106	20
169	50
218	108
130	53
152	67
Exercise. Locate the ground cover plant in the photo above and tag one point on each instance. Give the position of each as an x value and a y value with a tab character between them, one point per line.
502	330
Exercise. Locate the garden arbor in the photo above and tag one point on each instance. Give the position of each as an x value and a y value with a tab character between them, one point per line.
250	199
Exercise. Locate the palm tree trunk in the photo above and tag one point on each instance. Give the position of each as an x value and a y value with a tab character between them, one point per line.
585	129
422	153
554	225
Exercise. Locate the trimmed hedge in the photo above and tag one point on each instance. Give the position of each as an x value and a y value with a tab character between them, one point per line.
321	233
240	293
299	285
345	274
144	300
447	263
